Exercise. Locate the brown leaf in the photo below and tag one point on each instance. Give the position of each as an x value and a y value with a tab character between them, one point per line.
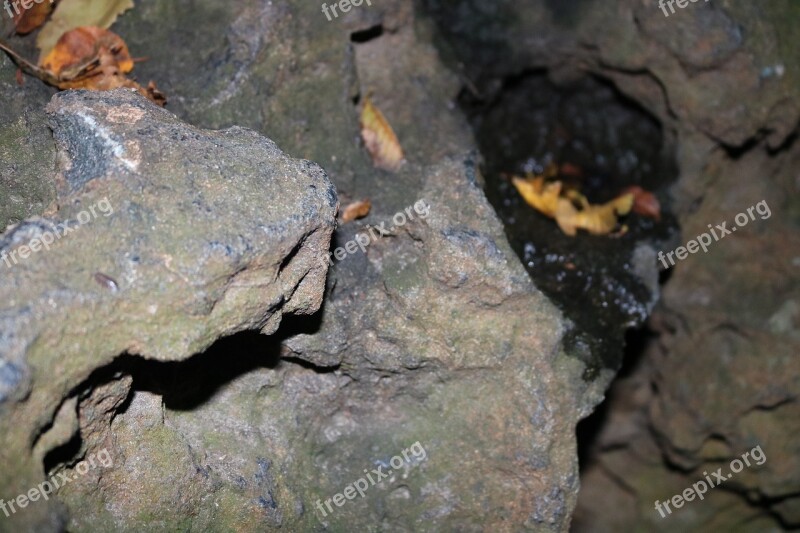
380	139
152	92
28	20
356	210
27	67
96	59
71	14
85	51
645	203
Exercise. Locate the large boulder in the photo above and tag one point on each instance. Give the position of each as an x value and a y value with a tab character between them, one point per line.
167	237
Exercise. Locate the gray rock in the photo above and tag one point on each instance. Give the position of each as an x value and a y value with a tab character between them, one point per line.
27	150
434	335
167	237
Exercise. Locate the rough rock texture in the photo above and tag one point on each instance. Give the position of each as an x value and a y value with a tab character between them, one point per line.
167	237
721	377
27	152
434	334
425	338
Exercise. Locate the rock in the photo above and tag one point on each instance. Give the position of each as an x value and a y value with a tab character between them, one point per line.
719	374
167	237
27	151
434	336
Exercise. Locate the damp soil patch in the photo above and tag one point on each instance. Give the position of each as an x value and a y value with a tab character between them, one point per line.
603	143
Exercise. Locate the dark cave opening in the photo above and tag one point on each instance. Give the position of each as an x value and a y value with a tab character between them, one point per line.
599	142
607	142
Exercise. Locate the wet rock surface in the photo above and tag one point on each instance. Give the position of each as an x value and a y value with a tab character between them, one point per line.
606	285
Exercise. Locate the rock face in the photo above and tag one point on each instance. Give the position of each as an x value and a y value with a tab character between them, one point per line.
433	334
27	153
719	376
166	238
433	340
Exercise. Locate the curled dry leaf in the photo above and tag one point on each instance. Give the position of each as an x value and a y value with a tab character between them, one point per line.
645	203
96	59
71	14
86	52
571	210
596	219
356	210
29	19
540	195
380	139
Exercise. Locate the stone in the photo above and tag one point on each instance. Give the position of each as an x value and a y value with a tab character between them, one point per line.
203	234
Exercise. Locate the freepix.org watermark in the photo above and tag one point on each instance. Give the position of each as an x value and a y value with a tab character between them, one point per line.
362	240
46	238
412	455
681	4
698	490
46	488
344	7
720	232
25	4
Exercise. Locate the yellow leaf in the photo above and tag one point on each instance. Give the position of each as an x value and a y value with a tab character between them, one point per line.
571	210
540	195
380	139
71	14
596	219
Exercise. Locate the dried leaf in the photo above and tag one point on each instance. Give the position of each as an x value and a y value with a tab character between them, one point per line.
380	139
540	195
571	210
596	219
645	203
27	67
152	92
356	210
71	14
115	81
96	59
28	20
87	51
